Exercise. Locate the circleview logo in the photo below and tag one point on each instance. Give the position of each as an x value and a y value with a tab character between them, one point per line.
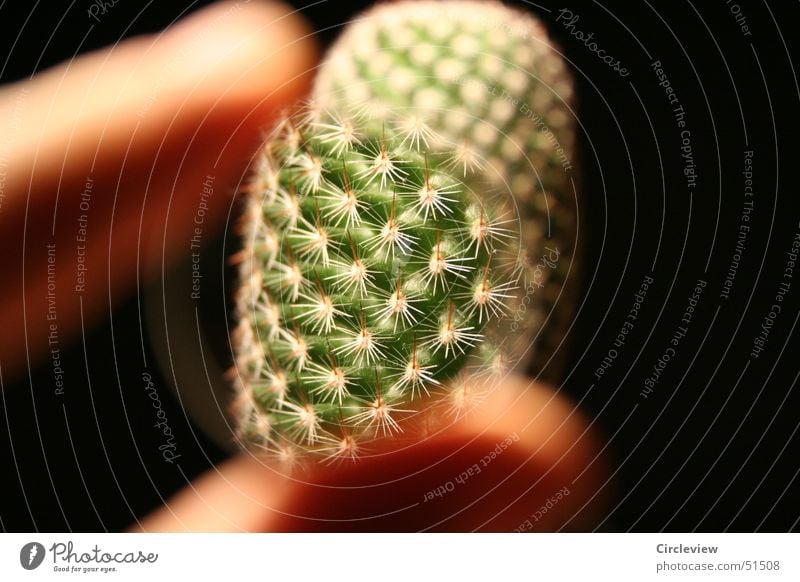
31	555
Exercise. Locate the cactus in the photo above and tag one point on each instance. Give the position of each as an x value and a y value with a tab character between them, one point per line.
489	80
393	227
372	272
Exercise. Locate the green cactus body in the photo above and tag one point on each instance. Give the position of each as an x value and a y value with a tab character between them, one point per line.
372	272
488	80
407	232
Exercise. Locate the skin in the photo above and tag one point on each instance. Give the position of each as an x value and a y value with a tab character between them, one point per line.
147	120
386	489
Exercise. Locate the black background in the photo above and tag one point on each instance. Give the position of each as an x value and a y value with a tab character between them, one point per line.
715	445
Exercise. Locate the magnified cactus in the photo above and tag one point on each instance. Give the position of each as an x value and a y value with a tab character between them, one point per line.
407	232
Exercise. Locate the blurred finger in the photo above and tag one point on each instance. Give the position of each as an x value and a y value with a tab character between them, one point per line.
493	470
111	153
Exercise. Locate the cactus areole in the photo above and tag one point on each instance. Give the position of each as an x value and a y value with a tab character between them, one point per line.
393	225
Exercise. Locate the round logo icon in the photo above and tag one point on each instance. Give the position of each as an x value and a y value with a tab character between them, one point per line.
31	555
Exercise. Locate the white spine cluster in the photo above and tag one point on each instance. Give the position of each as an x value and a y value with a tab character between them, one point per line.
359	276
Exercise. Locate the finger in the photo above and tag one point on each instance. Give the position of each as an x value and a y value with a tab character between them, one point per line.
490	471
81	116
493	470
109	156
240	495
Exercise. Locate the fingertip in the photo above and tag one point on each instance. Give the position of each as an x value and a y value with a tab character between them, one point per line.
242	494
262	53
488	471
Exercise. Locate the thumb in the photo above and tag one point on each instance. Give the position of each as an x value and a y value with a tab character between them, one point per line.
525	459
522	458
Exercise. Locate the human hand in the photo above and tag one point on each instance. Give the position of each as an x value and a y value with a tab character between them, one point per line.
105	157
522	460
